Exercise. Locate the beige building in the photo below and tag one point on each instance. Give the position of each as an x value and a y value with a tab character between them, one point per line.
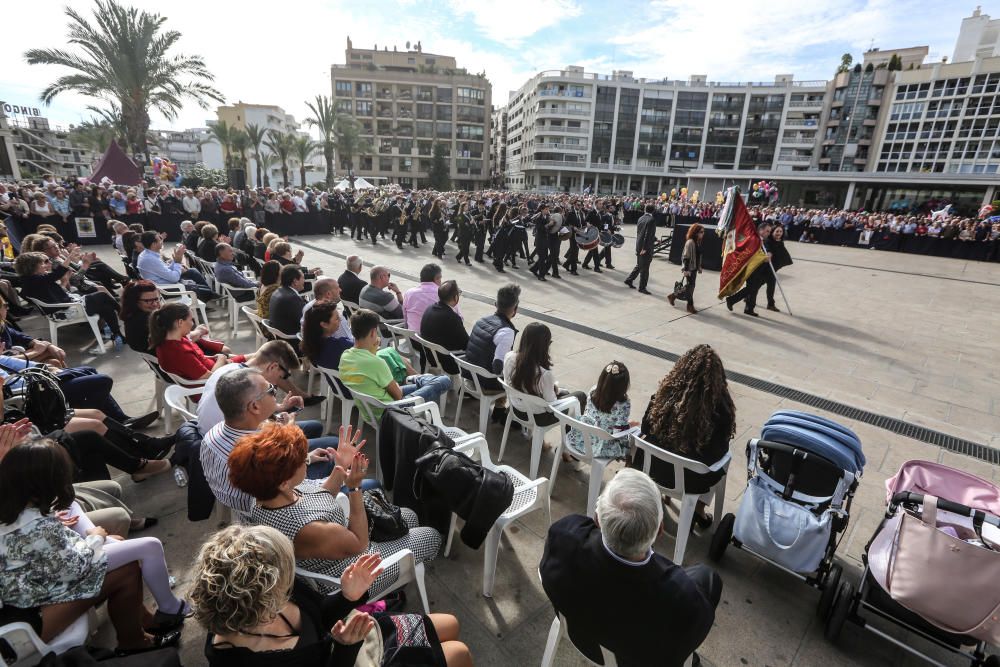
406	101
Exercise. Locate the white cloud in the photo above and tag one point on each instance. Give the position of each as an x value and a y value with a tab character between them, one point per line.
515	20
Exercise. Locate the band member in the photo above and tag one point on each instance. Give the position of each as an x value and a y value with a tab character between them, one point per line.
593	219
645	238
498	216
540	222
501	239
397	220
555	224
575	221
438	227
756	280
608	226
518	238
465	231
479	229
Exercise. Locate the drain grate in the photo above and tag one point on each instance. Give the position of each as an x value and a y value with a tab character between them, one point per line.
898	426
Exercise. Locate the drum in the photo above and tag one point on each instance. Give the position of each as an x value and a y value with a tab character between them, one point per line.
617	240
607	238
564	233
587	238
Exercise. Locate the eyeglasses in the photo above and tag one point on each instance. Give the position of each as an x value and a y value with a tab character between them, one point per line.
46	261
155	299
271	390
285	372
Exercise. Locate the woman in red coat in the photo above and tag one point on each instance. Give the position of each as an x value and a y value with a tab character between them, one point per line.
168	336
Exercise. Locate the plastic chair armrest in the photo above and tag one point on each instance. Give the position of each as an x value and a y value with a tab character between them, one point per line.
721	463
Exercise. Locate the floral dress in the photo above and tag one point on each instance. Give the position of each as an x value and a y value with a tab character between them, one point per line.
612	421
43	562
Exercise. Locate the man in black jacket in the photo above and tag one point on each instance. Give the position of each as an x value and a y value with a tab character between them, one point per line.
441	324
286	302
645	237
592	570
350	282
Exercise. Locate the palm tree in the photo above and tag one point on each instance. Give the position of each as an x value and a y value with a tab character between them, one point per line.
350	142
303	149
264	162
325	118
281	144
222	133
125	59
256	134
95	135
239	140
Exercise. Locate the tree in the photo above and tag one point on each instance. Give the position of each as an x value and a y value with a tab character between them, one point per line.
264	162
125	59
256	135
895	63
240	143
440	173
281	144
869	67
325	118
223	134
350	142
303	149
845	63
95	135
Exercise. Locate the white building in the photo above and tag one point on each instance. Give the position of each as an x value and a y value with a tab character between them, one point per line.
183	147
979	37
569	129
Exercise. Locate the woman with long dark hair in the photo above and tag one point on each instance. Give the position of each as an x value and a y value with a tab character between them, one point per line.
269	273
780	258
691	414
690	266
140	299
530	370
319	343
168	336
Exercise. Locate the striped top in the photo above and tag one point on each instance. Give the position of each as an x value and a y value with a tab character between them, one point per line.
215	449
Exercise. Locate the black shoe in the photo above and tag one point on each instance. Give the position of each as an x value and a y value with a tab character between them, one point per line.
643	290
729	303
156	448
750	313
556	275
315	399
702	521
573	273
629	283
773	308
140	423
147	522
609	266
597	269
542	278
167	640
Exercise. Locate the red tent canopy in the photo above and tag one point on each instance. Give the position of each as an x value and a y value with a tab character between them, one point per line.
117	166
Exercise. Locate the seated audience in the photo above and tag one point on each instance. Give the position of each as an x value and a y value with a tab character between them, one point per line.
327	290
152	267
321	340
57	564
270	465
441	323
608	408
17	343
382	296
350	280
39	280
140	299
361	369
209	240
256	618
492	337
691	414
169	328
227	273
285	309
530	370
420	298
269	282
282	252
670	609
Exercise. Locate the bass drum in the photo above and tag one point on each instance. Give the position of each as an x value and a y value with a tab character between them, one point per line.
607	238
617	240
587	238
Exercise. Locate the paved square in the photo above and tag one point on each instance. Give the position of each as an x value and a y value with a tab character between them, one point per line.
910	337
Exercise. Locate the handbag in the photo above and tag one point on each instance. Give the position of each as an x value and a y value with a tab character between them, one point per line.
781	530
385	520
680	286
948	580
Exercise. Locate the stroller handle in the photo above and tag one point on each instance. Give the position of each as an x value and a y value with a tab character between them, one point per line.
800	452
909	497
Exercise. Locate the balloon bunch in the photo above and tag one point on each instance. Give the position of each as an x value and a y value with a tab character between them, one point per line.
985	210
764	192
165	170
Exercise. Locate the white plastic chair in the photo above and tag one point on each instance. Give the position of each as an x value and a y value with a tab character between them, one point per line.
350	306
69	313
590	433
473	387
532	406
429	411
75	635
257	322
409	570
164	380
231	293
435	354
529	495
181	293
556	633
177	397
402	340
335	388
688	500
370	412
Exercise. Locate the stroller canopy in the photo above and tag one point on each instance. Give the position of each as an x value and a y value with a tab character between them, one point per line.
818	435
939	480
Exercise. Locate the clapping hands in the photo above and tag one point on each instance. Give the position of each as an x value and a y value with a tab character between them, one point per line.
359	575
354	631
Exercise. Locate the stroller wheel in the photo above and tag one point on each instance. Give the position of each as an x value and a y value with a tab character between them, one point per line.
838	614
830	587
720	540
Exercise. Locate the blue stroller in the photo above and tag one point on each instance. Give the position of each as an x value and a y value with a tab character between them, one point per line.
802	474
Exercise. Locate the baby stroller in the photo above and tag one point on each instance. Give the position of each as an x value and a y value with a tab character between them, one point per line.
933	564
802	475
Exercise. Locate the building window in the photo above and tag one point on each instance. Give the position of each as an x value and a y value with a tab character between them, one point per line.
474	96
443	130
344	88
363	108
411	61
363	89
385	164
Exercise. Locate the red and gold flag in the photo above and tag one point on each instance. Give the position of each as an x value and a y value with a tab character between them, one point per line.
742	251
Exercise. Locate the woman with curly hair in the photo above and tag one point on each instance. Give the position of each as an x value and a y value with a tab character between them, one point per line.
691	414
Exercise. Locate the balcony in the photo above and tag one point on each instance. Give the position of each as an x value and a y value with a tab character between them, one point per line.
556	128
558	113
561	146
649	164
833	122
869	122
559	163
806	103
794	158
727	106
384	94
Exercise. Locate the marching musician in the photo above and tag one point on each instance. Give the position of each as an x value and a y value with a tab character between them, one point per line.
502	238
465	231
575	221
607	226
476	215
594	219
540	223
555	224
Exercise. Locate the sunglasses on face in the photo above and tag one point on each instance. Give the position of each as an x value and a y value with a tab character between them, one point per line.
270	391
285	373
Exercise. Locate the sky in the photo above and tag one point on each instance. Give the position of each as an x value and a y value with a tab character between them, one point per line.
280	52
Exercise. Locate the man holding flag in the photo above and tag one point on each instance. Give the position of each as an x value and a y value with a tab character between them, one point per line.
743	256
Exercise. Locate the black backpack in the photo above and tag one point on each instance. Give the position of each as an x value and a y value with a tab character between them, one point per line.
42	399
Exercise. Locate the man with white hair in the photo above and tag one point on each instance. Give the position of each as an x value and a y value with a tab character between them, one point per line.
350	281
614	591
192	205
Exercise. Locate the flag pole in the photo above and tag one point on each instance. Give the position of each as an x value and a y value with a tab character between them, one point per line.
778	283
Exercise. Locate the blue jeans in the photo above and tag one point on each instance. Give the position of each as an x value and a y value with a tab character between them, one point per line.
428	387
84	387
193	279
313	430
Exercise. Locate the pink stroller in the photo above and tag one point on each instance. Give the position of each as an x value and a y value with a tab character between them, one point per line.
933	565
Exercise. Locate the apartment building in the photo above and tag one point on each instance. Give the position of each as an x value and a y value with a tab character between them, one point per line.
405	102
182	147
498	146
41	148
571	130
